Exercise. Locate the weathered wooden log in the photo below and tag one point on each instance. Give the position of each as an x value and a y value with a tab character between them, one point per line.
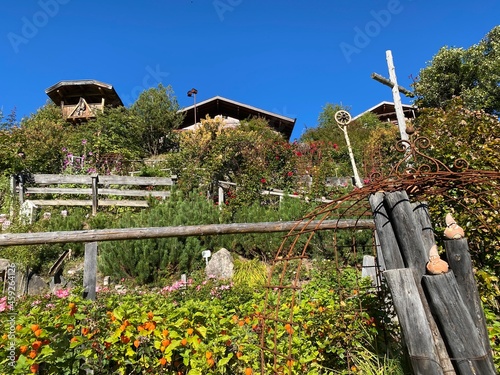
421	211
407	231
457	252
413	320
423	220
465	344
16	239
388	244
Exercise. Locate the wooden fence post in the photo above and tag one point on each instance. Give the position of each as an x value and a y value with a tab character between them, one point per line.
388	244
90	271
12	195
459	259
465	343
95	194
21	188
407	231
413	320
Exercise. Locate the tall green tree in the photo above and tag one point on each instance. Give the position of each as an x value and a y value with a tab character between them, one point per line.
473	74
157	113
36	144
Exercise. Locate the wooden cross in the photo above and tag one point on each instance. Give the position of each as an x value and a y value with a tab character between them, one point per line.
396	89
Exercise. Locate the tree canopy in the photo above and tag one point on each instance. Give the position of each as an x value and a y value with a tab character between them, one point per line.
472	73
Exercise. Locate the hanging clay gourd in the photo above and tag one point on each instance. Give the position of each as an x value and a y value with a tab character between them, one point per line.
453	231
436	265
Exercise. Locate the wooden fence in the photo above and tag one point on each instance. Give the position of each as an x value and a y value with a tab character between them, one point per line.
91	237
93	186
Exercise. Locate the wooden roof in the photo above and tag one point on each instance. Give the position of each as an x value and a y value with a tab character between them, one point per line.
92	91
386	111
229	108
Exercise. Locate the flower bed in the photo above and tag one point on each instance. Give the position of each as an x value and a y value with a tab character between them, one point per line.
193	328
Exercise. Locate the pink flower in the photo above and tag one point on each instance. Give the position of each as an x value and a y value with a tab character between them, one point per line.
62	293
3	304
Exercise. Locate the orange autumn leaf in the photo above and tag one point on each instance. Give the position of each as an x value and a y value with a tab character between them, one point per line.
32	354
137	343
70	327
165	332
248	371
150	315
163	361
210	362
85	331
184	342
19	327
38	332
35	327
288	328
190	331
73	339
208	355
34	368
23	348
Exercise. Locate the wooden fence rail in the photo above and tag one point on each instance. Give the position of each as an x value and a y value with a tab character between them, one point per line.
17	239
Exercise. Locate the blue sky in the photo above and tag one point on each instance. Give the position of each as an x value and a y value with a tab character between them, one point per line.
286	56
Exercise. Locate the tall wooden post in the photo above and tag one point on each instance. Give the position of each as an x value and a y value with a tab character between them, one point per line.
396	97
414	324
459	259
12	196
95	194
21	188
396	89
90	271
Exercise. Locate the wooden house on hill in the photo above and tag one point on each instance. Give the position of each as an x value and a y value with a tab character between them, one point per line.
80	99
386	112
232	113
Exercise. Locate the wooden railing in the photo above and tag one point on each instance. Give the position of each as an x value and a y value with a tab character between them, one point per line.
93	186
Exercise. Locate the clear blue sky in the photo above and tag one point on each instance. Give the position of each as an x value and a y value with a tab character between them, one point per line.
286	56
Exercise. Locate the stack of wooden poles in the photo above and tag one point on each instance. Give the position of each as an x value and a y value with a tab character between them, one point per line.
441	316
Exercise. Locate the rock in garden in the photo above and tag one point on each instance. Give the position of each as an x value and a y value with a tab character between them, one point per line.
220	265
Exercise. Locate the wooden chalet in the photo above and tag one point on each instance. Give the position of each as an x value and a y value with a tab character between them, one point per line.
233	112
80	99
387	112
